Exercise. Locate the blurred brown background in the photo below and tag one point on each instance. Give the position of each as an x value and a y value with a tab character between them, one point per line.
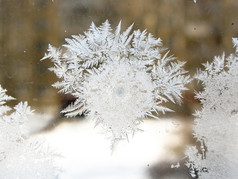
192	32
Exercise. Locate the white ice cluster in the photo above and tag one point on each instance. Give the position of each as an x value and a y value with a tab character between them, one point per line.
216	124
117	78
21	157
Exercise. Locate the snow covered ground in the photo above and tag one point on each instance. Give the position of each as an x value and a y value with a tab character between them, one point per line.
87	155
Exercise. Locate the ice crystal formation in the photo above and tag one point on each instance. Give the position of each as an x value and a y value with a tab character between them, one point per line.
216	123
118	78
20	157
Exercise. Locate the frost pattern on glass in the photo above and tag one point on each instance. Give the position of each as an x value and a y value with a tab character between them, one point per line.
20	157
118	78
216	123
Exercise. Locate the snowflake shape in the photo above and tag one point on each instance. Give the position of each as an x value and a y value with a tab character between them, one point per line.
21	157
117	78
128	93
216	123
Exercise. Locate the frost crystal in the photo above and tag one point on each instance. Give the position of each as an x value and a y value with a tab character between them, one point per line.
20	157
216	123
117	78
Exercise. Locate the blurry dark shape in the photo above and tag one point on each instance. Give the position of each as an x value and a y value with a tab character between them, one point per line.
59	118
164	171
41	45
42	3
66	100
204	169
193	170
